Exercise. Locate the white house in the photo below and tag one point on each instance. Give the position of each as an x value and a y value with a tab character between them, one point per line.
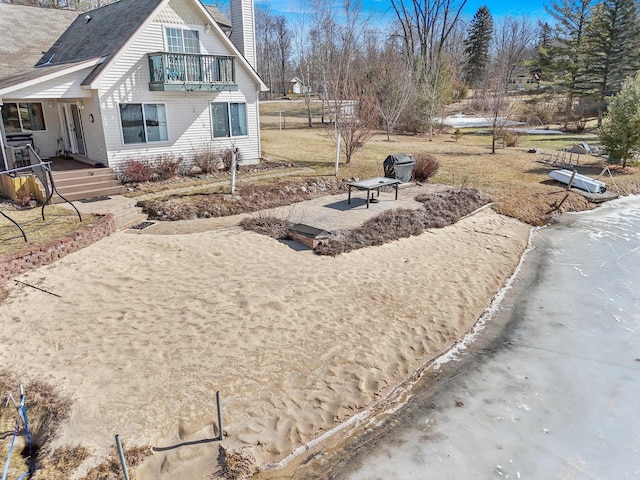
130	80
297	86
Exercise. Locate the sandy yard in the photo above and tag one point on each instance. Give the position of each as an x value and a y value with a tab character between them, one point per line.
148	327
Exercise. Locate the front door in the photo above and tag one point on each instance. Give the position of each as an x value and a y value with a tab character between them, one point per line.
73	123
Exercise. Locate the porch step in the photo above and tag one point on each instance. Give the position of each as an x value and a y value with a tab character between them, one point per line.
86	183
124	210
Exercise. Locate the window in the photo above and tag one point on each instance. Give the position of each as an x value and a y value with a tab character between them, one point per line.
182	41
143	123
23	117
229	119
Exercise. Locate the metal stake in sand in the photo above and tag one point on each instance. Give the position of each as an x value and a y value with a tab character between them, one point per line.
221	431
122	459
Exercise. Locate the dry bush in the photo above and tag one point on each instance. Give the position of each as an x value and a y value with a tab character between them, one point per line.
440	209
46	410
249	198
135	171
426	167
238	464
267	225
61	464
206	160
166	166
111	469
445	208
510	138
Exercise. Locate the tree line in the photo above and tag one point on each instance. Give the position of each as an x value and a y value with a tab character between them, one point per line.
401	75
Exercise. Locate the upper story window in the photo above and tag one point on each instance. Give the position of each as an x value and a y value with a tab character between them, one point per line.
182	41
23	117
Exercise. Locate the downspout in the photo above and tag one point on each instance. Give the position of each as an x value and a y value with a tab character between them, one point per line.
2	143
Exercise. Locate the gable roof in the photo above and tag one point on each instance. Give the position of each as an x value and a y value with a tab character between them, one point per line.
19	53
99	33
220	18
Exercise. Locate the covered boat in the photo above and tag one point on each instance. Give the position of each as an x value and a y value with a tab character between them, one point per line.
579	181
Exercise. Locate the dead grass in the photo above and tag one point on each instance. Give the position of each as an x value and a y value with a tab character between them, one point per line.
46	410
237	464
248	198
439	210
111	468
58	223
273	227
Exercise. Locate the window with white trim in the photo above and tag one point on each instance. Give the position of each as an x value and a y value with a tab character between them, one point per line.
143	122
23	117
229	119
182	41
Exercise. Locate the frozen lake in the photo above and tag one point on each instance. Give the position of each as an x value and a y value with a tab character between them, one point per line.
551	390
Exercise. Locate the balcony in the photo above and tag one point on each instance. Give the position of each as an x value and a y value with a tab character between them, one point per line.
174	72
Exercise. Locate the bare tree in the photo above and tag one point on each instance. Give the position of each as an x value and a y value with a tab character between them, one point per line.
495	105
426	25
513	42
392	86
265	46
283	48
355	121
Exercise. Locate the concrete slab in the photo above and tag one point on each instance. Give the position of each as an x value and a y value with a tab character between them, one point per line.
327	213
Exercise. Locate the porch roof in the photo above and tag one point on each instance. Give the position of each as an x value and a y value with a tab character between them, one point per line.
41	74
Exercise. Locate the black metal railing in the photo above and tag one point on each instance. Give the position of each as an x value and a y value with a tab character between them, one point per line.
191	68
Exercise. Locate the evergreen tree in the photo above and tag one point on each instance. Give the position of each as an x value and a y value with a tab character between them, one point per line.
542	61
611	54
620	132
563	55
477	46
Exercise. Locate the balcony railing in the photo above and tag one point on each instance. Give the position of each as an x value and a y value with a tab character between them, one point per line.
192	72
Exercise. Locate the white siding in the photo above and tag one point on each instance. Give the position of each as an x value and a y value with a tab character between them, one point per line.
45	141
188	114
67	86
93	131
243	29
181	12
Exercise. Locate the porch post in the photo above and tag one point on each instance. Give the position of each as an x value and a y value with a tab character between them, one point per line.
2	143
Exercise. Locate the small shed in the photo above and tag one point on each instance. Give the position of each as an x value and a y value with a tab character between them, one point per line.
297	86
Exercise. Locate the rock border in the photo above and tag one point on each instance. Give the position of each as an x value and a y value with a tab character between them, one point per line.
15	264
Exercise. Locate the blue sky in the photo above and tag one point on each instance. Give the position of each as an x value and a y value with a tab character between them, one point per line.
531	8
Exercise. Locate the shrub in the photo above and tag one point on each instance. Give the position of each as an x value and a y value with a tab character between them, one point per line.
267	225
510	138
426	167
135	171
207	160
166	166
440	209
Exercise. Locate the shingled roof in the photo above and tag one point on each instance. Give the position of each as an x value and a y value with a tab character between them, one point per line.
220	18
20	52
61	37
99	33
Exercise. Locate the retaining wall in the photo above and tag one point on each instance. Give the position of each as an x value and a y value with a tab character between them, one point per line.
13	265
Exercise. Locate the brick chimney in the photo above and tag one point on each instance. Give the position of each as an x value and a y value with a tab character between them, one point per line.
243	30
